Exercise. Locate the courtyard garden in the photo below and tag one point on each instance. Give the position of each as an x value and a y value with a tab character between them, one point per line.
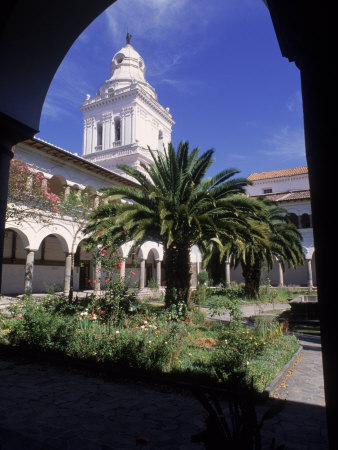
118	331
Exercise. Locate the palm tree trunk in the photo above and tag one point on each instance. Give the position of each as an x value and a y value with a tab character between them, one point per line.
252	275
178	273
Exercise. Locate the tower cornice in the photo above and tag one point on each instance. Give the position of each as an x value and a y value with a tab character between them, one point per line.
136	92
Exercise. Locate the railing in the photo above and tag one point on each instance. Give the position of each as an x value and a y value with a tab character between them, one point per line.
116	144
98	148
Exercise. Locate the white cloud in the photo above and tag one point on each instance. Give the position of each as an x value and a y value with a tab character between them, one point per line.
286	144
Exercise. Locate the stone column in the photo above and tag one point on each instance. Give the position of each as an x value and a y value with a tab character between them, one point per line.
142	273
28	288
309	273
68	273
123	269
281	275
158	273
227	272
97	285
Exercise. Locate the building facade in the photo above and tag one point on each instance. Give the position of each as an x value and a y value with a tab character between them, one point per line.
120	123
290	189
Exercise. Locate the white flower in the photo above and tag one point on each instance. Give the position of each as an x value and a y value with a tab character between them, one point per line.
149	342
117	332
145	321
190	354
142	326
166	342
247	363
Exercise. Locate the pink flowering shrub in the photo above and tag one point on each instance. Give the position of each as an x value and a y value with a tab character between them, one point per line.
27	187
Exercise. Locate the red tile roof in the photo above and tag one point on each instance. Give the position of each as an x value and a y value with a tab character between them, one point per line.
278	173
287	196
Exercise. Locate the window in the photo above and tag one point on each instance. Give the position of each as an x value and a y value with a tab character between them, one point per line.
99	134
160	140
267	191
117	123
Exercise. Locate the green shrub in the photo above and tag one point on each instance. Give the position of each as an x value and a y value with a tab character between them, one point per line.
221	305
202	277
35	326
234	291
199	295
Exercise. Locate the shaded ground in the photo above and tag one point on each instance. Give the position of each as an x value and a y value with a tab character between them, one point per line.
46	407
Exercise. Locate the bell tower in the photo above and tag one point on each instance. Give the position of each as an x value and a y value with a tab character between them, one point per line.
124	117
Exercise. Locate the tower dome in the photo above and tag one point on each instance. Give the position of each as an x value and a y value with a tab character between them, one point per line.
127	64
127	70
125	118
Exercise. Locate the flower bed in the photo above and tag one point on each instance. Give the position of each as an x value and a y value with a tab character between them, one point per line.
179	344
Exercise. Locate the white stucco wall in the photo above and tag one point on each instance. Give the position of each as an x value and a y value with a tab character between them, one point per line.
280	184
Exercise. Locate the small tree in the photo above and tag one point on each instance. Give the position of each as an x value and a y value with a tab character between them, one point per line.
203	277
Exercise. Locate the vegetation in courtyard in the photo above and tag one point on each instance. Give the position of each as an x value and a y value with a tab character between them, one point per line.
118	330
28	194
177	207
275	238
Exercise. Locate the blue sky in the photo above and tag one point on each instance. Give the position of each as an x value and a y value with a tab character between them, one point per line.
216	64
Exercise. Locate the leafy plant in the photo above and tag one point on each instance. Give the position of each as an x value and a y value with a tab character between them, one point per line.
202	277
239	427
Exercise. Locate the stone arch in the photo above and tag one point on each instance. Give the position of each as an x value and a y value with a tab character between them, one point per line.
60	231
83	267
23	236
305	221
148	246
293	218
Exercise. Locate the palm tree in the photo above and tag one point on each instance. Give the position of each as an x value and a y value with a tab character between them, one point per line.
177	207
275	237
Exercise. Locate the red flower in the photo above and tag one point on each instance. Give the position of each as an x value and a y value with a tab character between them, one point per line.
120	264
125	231
187	319
99	233
107	280
104	252
95	281
101	312
88	281
133	273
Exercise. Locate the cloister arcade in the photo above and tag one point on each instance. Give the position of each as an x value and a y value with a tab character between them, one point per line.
38	260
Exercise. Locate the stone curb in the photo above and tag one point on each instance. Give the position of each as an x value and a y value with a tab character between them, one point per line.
282	374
